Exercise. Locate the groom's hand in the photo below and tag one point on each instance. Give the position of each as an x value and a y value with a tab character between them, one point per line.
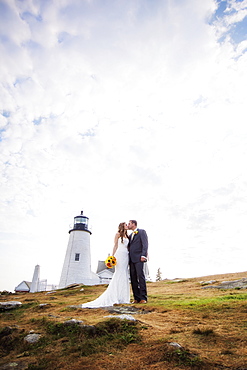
143	259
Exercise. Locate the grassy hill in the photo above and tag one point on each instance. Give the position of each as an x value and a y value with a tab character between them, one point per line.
183	326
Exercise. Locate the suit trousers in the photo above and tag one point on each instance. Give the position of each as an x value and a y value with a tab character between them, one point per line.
138	281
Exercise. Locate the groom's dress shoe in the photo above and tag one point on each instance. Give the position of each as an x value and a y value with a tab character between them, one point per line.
143	301
135	301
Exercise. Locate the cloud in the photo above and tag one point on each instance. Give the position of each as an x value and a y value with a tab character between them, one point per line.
125	110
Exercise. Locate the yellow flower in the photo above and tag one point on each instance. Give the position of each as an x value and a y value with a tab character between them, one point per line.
110	262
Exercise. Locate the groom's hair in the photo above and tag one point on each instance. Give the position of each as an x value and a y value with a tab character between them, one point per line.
134	222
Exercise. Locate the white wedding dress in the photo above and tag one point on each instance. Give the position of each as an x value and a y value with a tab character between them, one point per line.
118	291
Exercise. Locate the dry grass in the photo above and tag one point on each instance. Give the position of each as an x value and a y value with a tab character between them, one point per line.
209	324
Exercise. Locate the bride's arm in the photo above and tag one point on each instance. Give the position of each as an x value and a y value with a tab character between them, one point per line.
115	244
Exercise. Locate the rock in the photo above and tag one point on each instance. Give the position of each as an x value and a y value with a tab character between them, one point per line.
209	287
123	317
208	282
10	365
32	338
44	305
73	322
24	354
179	280
15	365
6	331
89	329
235	284
175	345
9	305
127	310
75	307
242	283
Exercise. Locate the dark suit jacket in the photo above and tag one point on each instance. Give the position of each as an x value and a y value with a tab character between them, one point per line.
138	246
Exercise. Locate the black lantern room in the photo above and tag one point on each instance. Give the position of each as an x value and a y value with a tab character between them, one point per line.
81	223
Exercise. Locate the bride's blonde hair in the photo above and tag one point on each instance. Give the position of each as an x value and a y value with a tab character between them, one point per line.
122	231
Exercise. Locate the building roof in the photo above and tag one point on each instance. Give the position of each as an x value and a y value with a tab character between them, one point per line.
23	286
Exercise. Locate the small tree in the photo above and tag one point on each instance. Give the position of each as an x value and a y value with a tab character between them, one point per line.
158	275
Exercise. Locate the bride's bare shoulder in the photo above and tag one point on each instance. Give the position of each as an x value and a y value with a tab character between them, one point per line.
117	236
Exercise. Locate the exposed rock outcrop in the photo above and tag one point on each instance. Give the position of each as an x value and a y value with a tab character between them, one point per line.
9	305
235	284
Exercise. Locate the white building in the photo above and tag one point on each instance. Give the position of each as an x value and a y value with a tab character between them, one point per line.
36	279
23	287
104	273
36	285
77	263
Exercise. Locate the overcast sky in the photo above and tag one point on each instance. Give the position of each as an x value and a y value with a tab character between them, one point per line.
125	109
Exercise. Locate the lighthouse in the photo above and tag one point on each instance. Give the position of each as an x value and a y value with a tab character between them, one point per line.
77	262
36	280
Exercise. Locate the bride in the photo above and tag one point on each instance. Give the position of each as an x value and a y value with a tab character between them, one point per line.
118	291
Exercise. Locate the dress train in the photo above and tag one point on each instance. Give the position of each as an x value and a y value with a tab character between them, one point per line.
118	291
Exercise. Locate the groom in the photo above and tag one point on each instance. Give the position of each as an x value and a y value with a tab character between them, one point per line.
138	247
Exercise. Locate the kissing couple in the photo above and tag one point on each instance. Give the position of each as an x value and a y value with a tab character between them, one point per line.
131	254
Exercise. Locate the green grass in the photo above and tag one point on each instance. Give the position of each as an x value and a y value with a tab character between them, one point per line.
183	302
17	313
234	296
11	342
43	364
183	357
85	340
206	323
175	282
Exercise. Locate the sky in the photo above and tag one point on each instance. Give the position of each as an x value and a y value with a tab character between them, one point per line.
125	109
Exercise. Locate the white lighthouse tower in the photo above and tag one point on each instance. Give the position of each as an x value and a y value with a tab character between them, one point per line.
77	262
36	280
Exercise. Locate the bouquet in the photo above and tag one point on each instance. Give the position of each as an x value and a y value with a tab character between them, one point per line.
110	262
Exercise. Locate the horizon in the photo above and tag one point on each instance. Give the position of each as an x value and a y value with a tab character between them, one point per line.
148	281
